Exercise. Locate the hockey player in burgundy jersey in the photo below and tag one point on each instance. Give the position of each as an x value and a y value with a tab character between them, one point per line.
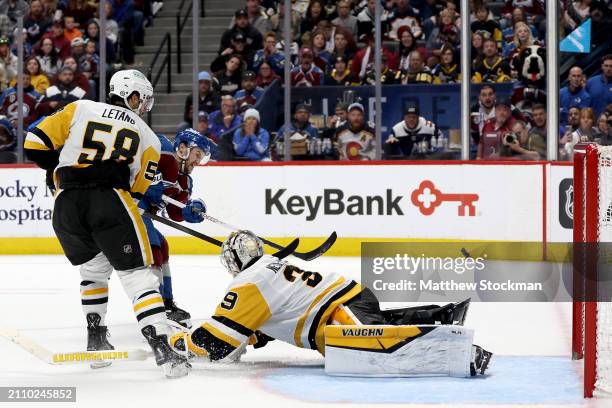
173	179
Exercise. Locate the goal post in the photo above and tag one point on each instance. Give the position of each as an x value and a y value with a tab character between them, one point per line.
592	235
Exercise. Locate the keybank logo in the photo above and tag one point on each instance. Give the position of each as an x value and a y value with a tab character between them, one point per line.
334	201
427	198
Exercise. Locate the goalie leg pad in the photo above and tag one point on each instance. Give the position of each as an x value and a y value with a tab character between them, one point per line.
398	351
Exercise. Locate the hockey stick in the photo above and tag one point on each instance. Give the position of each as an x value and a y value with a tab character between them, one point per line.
73	357
306	256
284	251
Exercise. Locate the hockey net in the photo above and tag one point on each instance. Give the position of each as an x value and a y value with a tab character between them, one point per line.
592	309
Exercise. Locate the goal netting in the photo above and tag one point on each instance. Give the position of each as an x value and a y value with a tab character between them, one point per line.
592	311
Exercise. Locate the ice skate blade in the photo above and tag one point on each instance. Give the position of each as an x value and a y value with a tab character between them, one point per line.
96	366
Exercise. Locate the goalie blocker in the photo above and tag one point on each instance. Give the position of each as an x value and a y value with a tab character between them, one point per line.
403	351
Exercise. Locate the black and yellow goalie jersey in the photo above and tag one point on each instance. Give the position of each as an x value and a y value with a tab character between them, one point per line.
91	143
278	299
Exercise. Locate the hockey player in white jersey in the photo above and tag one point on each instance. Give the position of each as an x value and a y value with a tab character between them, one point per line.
272	299
101	158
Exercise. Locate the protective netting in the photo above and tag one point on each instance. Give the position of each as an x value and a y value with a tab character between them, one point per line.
604	307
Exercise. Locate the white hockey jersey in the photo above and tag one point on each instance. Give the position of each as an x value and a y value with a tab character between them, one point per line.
88	131
282	301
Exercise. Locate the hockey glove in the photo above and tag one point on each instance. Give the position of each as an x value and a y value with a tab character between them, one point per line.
194	211
154	193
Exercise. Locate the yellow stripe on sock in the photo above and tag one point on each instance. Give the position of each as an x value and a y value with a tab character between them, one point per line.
148	302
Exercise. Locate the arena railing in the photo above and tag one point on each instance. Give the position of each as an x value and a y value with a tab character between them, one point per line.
166	63
181	21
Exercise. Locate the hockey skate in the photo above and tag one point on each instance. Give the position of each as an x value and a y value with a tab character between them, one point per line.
97	338
173	364
452	313
480	360
176	314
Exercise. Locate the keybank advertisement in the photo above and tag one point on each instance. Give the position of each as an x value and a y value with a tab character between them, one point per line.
477	202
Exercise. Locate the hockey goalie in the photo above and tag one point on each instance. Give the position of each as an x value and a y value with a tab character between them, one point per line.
269	298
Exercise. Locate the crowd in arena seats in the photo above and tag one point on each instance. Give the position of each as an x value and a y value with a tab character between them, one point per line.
61	49
333	45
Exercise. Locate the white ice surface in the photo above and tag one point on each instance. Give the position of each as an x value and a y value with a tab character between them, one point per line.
40	295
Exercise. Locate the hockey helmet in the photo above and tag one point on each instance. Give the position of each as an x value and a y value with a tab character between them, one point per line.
192	138
124	83
240	250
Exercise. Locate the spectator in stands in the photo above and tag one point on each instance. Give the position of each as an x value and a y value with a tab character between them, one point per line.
414	135
477	43
36	22
223	120
355	139
306	73
271	54
27	47
277	21
39	80
603	127
526	145
257	16
208	100
93	35
585	132
573	122
130	20
491	68
345	18
300	124
388	76
576	13
538	130
112	27
60	43
254	38
79	78
365	21
87	64
404	14
522	40
482	111
335	121
518	15
599	87
47	56
341	75
229	79
323	58
447	71
407	44
202	126
314	14
80	10
5	25
10	107
573	94
250	92
63	92
439	35
251	140
4	83
71	30
490	146
485	25
8	61
238	47
13	9
344	44
418	72
266	75
365	56
8	142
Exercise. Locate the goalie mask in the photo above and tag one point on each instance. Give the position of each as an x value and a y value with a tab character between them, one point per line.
240	250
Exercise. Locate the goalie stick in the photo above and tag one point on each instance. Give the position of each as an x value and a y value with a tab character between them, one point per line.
306	256
284	251
71	357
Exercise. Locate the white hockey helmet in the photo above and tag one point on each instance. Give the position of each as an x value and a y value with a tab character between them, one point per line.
239	250
124	83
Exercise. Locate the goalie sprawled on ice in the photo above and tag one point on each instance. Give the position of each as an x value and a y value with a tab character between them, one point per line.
272	299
